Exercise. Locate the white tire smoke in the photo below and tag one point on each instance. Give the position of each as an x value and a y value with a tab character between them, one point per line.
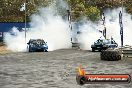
90	31
55	31
45	25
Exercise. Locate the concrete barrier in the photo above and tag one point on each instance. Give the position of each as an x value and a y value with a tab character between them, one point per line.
75	45
126	51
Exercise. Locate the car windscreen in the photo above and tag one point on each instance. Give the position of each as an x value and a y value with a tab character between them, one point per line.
99	41
106	41
37	42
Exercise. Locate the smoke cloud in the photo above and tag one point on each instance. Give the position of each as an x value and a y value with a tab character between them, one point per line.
47	25
15	40
90	31
89	34
113	28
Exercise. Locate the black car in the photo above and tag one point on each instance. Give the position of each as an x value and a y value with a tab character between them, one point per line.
103	44
37	45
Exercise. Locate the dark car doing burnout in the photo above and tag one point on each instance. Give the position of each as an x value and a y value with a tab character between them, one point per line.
103	44
37	45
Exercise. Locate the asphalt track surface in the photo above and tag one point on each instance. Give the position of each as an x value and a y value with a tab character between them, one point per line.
57	69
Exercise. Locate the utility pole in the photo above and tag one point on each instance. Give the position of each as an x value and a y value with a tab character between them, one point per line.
25	19
104	31
121	27
121	24
122	5
69	19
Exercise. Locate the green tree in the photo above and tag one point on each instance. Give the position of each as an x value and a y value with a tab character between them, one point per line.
93	13
128	6
81	8
10	9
